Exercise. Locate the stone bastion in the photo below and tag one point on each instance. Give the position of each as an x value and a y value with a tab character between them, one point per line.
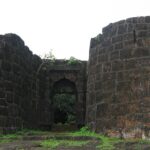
118	86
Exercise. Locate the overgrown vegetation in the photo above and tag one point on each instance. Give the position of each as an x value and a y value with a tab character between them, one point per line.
65	103
73	61
106	143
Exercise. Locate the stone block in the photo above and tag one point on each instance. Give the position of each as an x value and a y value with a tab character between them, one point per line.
6	66
118	46
141	26
142	34
98	85
114	55
102	110
103	58
9	97
99	96
2	94
8	86
130	28
126	53
122	29
107	67
117	65
147	19
130	64
3	102
91	114
117	39
140	52
3	111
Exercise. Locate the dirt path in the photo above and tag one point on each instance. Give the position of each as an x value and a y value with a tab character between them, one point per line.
132	146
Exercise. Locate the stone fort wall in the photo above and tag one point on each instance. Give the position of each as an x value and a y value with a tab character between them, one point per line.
18	91
26	86
118	87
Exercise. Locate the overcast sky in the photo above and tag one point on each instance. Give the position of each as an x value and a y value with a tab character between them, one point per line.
65	26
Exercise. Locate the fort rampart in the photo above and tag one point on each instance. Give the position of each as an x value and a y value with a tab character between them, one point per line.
118	101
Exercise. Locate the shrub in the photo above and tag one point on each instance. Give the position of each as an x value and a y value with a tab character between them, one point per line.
73	61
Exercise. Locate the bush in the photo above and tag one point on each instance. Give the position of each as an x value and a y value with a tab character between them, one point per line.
73	61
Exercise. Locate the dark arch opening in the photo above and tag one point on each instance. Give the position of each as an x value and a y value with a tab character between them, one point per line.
64	97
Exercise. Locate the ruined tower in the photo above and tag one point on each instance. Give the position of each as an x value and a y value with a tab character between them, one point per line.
118	101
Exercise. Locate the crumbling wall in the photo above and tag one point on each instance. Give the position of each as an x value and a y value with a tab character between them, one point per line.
118	101
18	89
26	83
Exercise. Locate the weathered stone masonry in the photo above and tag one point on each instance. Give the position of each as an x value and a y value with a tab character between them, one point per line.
118	101
17	87
117	88
26	87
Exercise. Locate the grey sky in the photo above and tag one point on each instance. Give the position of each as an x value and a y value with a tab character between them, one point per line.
65	26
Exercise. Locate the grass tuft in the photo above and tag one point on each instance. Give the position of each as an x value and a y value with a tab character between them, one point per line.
53	144
106	143
50	144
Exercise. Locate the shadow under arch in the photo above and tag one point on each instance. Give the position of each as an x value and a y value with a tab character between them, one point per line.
64	99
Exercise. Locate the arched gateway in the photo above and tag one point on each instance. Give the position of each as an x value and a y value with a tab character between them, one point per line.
63	88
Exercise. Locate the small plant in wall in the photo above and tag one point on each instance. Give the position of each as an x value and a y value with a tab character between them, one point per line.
73	61
47	60
49	57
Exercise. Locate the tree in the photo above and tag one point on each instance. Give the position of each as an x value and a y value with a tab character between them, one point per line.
65	103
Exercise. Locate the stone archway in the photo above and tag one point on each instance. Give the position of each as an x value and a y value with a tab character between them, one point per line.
64	99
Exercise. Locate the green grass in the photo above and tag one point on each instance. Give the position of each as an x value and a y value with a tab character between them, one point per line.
76	143
50	144
106	143
53	144
18	135
141	141
9	138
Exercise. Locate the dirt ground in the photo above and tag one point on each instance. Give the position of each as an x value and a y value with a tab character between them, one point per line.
33	143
